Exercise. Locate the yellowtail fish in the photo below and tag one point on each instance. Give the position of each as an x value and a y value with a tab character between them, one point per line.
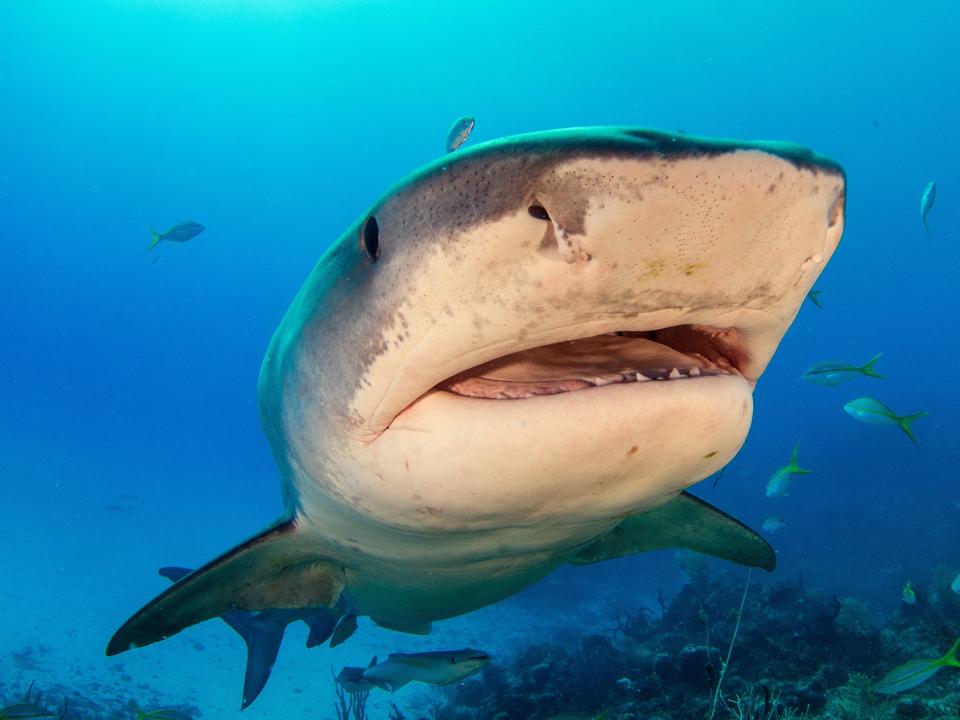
780	481
831	373
912	673
774	523
927	198
908	595
459	132
874	412
178	233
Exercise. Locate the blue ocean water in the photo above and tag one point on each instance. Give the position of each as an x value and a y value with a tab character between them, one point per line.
129	436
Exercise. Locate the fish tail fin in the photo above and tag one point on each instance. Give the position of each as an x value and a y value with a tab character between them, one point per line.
951	657
926	227
906	423
794	466
154	240
868	367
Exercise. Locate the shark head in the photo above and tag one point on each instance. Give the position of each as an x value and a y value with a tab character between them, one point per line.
549	330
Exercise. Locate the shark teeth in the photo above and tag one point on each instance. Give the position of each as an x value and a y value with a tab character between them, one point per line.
598	361
679	373
506	390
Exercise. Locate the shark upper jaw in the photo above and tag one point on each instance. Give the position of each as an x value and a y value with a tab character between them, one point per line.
698	345
668	354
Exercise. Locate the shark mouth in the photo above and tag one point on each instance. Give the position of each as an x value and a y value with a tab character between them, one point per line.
676	353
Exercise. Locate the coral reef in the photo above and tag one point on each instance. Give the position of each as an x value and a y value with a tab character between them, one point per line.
797	654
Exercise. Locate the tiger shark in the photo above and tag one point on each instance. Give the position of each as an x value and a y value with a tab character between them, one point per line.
518	358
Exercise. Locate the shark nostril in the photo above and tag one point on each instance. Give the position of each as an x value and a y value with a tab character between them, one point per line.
539	212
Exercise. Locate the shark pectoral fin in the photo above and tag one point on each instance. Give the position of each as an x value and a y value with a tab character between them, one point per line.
413	628
321	622
686	522
274	569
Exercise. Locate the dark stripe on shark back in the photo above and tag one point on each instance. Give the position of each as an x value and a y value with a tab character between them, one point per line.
271	570
613	141
525	159
471	190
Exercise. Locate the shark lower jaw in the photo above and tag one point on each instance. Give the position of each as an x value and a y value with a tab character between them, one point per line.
568	460
683	352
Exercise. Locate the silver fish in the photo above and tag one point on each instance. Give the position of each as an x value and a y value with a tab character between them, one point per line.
927	199
459	132
774	523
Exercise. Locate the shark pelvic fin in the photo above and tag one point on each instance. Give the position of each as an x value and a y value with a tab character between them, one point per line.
271	570
684	521
346	627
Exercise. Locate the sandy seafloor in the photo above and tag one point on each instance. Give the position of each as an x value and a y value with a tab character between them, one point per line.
72	592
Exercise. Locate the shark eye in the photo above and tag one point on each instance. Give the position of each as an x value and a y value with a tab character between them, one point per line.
370	238
539	212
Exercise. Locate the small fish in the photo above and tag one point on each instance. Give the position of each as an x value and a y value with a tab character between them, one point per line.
459	132
814	297
908	595
927	199
178	233
912	673
955	585
872	411
780	480
435	668
23	711
774	523
831	373
162	714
